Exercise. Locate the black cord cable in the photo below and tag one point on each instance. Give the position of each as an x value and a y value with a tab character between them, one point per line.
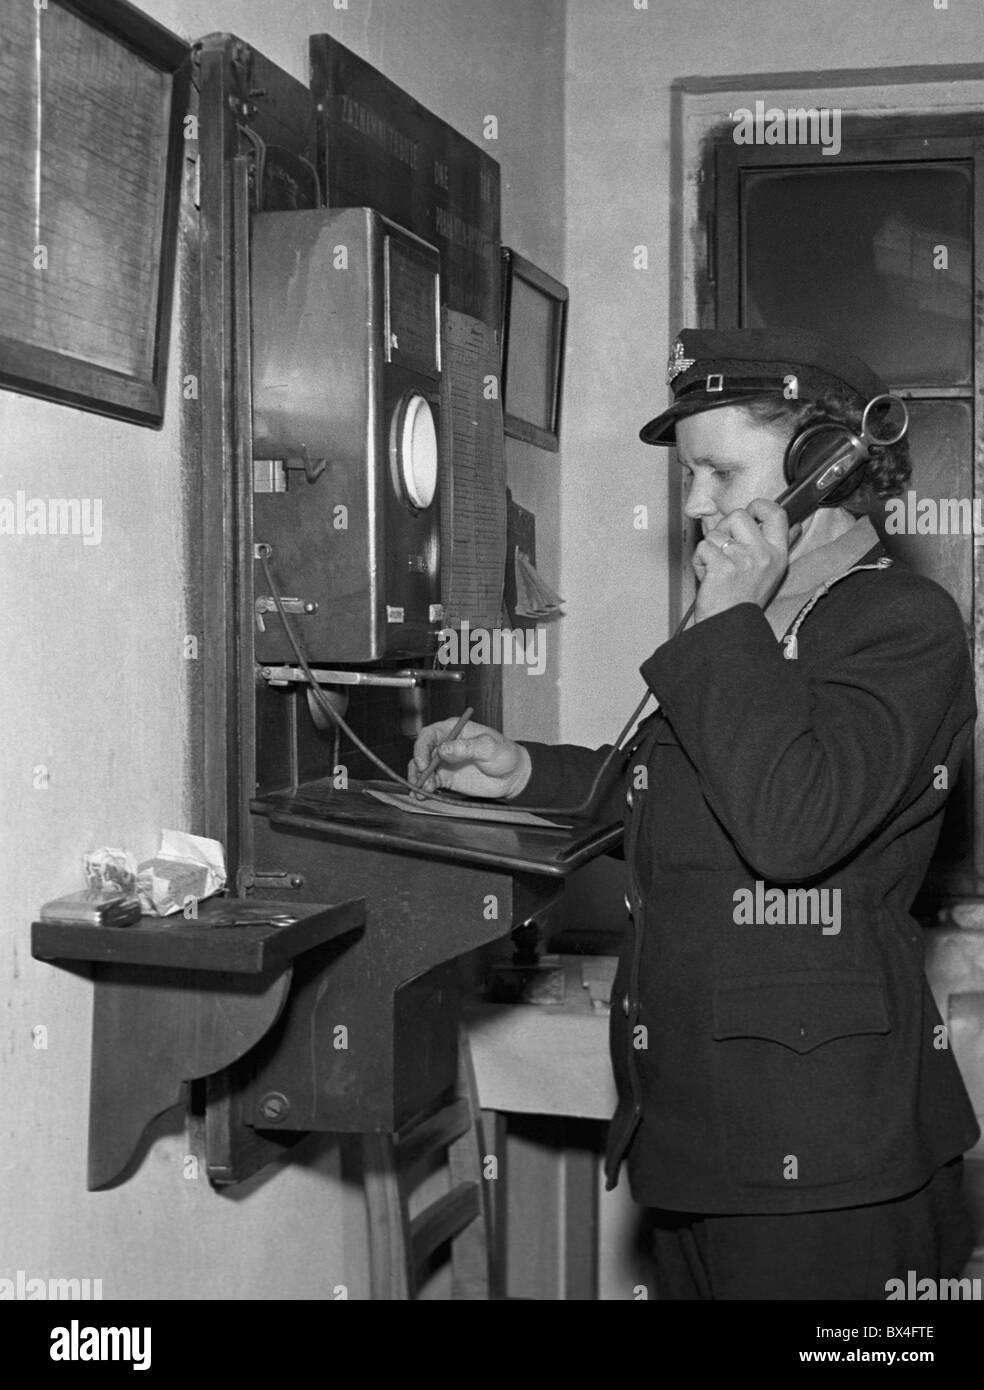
259	155
263	552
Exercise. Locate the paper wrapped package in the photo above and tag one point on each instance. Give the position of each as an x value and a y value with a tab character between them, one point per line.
185	866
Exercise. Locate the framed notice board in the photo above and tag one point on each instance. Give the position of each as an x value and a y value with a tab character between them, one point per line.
92	100
534	330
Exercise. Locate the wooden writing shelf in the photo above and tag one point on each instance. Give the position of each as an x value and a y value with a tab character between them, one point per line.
199	944
352	817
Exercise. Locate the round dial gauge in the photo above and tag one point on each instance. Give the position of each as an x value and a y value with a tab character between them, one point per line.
413	444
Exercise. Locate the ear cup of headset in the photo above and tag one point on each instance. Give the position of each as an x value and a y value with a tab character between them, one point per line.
821	443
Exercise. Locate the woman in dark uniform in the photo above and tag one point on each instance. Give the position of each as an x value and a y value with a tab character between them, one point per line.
789	1106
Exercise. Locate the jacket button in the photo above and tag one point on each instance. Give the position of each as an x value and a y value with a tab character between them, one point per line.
625	1005
628	798
628	905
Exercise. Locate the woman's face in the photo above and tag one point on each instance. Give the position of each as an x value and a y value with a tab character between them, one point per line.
728	460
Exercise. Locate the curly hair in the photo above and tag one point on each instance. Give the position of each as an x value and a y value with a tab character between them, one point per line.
886	472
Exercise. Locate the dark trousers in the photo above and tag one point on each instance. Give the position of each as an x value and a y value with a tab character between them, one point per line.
847	1254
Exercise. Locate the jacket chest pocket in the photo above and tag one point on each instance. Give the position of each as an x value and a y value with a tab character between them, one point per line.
805	1079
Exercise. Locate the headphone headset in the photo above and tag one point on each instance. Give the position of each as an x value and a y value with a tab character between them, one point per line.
823	463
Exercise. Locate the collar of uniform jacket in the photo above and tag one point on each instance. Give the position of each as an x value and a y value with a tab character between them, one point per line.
807	572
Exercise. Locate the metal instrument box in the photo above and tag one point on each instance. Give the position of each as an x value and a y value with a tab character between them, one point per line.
347	436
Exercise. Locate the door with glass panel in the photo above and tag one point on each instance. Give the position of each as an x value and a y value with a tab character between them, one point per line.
876	247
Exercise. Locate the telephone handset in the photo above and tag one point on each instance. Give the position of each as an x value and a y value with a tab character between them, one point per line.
823	461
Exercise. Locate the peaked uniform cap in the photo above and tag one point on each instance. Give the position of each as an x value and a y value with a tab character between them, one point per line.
709	368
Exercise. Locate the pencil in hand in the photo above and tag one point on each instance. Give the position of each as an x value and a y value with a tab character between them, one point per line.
436	756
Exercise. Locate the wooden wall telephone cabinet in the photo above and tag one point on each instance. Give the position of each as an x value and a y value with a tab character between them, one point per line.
345	1019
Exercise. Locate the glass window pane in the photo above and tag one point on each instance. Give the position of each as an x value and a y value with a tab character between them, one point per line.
878	256
942	450
941	445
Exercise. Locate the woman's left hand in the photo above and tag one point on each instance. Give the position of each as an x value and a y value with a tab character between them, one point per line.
743	559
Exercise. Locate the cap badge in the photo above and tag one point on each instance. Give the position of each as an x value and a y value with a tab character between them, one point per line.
677	363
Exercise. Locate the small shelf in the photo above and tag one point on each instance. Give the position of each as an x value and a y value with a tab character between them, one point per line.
198	944
175	1000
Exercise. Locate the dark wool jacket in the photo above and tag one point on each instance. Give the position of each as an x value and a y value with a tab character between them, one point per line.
762	1066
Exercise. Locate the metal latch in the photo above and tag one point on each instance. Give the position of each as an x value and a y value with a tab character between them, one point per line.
266	604
249	878
312	468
